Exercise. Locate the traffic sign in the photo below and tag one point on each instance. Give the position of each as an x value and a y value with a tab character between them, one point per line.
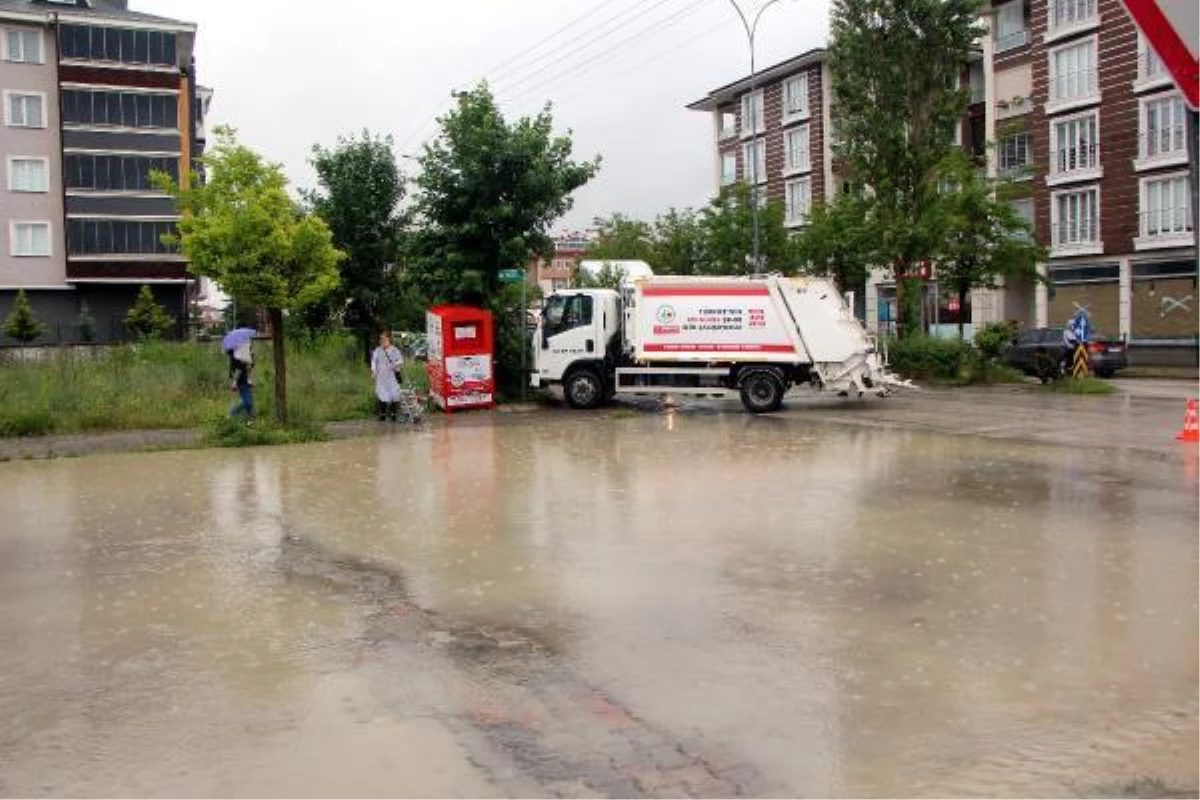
1171	28
512	275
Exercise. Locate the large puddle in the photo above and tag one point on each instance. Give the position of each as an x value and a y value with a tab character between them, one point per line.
477	609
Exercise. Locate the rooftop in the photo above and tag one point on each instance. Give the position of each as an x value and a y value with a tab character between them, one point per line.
81	10
730	91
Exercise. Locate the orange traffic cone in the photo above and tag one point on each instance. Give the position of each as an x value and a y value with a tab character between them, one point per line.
1191	424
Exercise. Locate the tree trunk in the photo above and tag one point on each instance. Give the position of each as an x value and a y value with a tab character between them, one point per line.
279	353
962	304
908	307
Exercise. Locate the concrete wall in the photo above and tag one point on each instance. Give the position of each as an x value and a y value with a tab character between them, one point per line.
38	143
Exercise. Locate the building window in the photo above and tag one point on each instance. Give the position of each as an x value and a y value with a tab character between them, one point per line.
728	168
797	159
1071	13
727	121
1011	30
25	110
28	174
93	43
91	237
1076	220
30	239
120	109
1024	209
1075	146
753	120
795	98
1150	66
1014	156
754	159
1166	208
798	200
1163	128
1073	73
23	46
115	173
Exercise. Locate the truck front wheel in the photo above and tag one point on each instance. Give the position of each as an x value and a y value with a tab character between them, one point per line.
583	389
761	393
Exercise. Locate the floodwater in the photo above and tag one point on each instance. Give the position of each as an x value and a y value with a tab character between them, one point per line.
658	604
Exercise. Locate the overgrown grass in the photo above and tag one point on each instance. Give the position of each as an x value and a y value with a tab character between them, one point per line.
1139	788
1080	386
229	432
181	385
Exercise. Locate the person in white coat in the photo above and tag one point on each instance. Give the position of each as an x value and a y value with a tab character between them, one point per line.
385	370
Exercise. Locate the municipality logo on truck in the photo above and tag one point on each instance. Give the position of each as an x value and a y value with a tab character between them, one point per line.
666	317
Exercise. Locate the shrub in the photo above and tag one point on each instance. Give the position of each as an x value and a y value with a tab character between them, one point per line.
929	358
993	338
146	318
86	324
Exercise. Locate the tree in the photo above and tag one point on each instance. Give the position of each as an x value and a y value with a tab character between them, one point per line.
983	237
359	195
896	67
146	318
678	243
609	276
487	193
86	323
21	323
727	223
621	238
241	229
837	241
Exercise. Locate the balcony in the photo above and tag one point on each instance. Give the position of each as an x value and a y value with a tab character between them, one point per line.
1079	163
1011	41
1076	238
1162	148
1165	227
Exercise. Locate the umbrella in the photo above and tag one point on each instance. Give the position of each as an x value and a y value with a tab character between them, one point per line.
236	338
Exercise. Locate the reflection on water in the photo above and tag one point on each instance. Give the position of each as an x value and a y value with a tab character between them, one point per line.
851	611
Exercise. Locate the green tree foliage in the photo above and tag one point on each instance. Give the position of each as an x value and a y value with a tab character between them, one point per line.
241	229
488	192
837	242
982	237
728	222
678	243
896	66
146	318
21	323
621	238
609	276
359	195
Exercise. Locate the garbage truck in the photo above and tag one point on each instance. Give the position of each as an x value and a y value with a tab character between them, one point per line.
755	338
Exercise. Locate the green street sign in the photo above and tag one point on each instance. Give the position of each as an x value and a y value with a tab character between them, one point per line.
512	275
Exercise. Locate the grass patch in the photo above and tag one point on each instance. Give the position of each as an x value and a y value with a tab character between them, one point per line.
182	385
1087	385
1139	788
230	432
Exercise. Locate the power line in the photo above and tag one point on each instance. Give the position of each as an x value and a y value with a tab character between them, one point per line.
662	24
499	68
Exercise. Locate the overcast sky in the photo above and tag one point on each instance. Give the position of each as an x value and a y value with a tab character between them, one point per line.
288	74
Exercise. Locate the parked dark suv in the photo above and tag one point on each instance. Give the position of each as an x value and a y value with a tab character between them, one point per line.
1039	352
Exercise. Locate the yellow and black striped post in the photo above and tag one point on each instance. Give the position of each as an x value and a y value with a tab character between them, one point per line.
1079	364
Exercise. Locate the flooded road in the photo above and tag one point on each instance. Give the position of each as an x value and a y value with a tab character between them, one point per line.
624	605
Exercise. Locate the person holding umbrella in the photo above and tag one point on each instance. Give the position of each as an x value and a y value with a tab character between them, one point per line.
237	344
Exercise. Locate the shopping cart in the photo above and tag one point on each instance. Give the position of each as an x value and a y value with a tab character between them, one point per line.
412	405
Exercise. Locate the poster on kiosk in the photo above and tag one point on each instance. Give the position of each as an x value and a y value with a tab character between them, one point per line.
460	357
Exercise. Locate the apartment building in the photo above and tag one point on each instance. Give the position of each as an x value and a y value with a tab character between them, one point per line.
96	96
772	133
558	272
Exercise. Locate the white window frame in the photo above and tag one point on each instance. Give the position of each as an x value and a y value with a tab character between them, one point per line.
1023	171
1055	105
787	116
1145	81
45	162
1007	42
758	121
729	131
732	175
1181	238
790	168
24	59
1094	171
13	239
1095	247
1177	156
760	170
9	94
792	217
1059	31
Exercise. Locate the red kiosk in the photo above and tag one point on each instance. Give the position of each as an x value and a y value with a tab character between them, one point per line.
460	357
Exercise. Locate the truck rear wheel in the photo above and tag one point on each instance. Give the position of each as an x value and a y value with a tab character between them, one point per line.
583	389
761	393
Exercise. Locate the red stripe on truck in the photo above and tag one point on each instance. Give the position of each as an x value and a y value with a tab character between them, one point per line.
695	291
719	348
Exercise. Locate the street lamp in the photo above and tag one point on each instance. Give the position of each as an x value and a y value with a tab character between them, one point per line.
751	27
